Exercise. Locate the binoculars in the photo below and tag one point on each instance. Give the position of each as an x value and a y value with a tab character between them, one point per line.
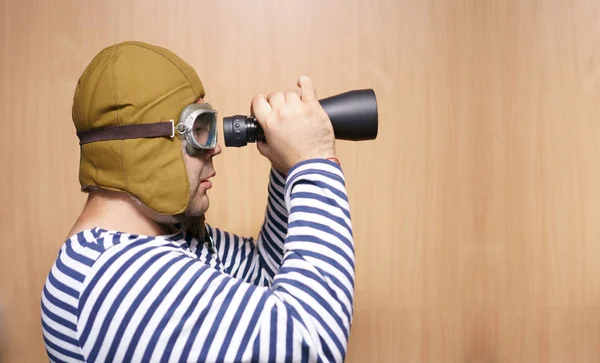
353	116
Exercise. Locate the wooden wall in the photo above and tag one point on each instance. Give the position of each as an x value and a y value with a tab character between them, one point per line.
476	211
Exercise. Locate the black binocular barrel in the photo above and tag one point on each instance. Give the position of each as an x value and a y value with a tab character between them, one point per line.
353	115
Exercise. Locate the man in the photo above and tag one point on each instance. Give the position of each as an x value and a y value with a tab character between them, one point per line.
142	278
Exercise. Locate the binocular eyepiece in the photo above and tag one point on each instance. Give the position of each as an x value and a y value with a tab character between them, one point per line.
353	116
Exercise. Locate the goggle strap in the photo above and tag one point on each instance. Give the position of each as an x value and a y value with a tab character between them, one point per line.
157	129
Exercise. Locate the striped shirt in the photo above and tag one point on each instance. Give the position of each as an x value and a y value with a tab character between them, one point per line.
286	297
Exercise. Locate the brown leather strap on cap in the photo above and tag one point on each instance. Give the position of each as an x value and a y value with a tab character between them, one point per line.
157	129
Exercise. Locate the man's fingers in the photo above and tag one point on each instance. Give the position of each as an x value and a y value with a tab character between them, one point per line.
293	95
307	89
260	108
276	99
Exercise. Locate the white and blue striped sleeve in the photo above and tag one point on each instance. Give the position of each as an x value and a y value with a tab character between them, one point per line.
154	304
257	261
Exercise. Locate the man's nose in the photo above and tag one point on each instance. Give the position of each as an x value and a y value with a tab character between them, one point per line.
214	152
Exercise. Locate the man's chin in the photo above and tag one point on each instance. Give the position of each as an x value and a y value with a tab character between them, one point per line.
198	206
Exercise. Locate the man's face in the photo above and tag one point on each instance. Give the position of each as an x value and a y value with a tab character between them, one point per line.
199	169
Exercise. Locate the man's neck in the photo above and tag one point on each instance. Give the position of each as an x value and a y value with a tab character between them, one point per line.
116	211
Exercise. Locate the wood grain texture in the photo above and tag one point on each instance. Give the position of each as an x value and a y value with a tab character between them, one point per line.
476	212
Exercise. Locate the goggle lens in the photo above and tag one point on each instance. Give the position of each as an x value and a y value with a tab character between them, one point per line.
204	129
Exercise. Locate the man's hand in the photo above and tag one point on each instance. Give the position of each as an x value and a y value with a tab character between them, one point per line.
295	125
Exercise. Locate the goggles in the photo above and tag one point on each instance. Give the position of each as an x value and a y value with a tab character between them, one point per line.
197	124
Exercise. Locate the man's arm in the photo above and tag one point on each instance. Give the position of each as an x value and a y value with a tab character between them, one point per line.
158	303
257	261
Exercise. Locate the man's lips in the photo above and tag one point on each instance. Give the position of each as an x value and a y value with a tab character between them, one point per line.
207	184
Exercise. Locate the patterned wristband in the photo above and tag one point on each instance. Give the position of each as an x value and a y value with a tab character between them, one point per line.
335	160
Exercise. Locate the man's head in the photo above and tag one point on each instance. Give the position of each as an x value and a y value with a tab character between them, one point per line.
125	100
